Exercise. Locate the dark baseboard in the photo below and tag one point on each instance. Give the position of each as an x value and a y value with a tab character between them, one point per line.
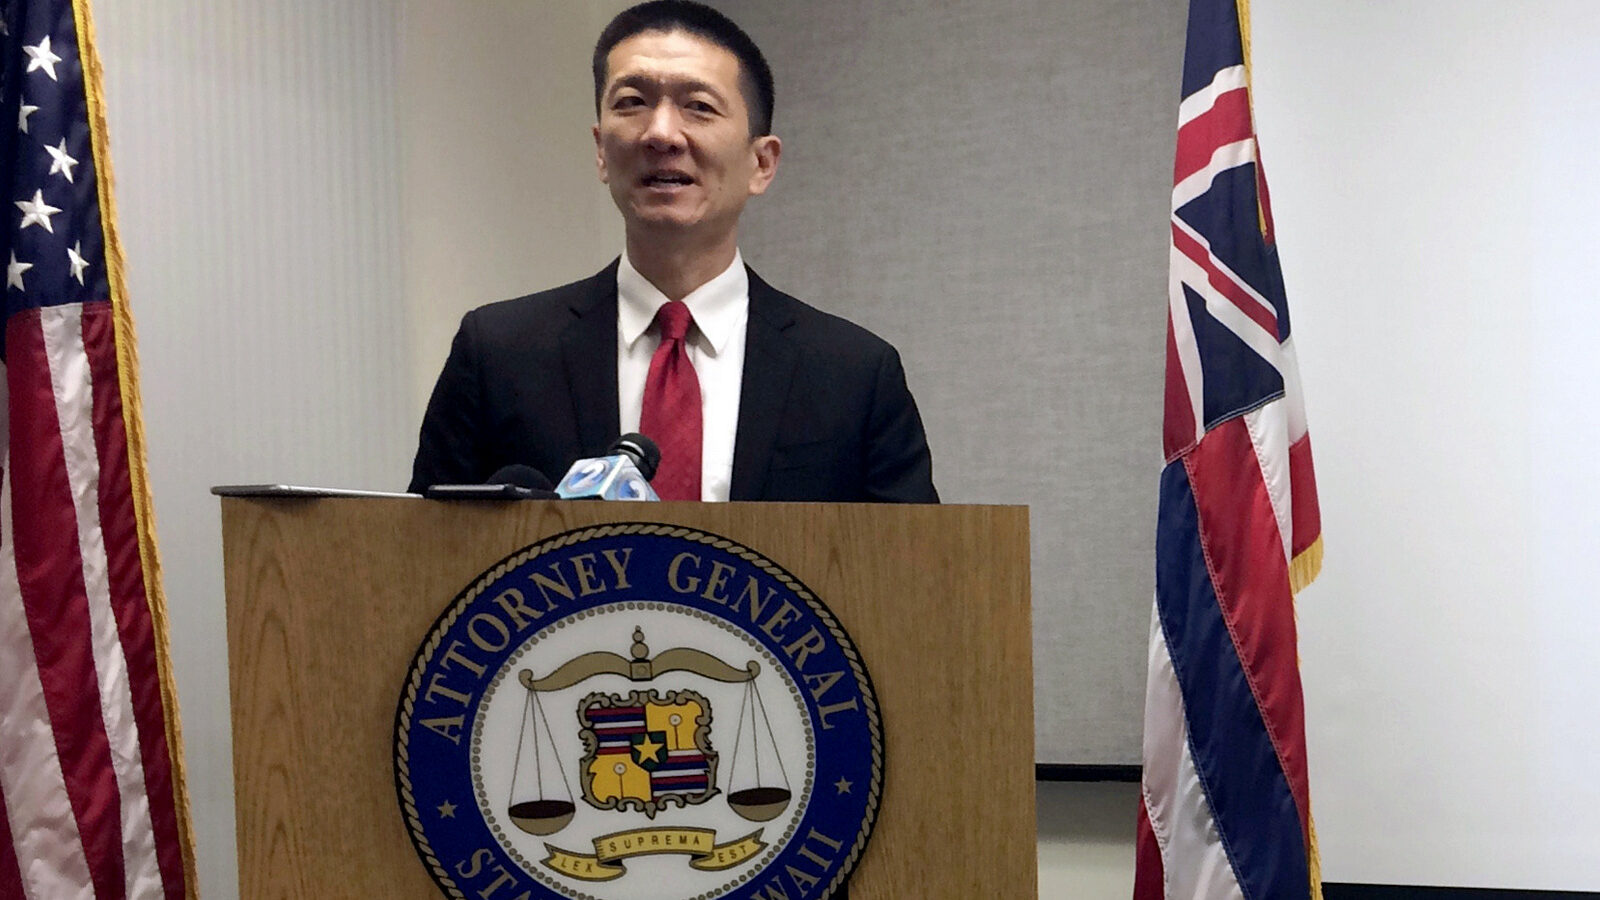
1338	891
1076	772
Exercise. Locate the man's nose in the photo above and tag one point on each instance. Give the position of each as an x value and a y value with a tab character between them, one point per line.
664	132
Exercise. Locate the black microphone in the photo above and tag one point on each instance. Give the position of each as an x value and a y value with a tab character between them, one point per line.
643	451
624	473
526	477
513	482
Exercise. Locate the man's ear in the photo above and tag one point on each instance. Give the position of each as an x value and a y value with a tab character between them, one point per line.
767	149
599	155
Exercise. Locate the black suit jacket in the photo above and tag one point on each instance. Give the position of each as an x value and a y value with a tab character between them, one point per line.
824	411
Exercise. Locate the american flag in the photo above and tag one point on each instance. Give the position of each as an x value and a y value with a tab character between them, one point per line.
90	778
1226	809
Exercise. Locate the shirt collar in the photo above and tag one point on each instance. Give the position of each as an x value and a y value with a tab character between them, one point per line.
718	306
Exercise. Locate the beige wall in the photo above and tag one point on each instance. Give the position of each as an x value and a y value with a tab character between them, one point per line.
500	191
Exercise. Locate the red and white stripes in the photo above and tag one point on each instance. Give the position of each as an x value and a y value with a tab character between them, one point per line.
77	675
1192	860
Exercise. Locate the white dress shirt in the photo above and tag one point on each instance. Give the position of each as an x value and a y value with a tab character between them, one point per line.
721	310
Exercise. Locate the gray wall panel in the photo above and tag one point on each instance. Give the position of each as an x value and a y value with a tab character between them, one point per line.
986	185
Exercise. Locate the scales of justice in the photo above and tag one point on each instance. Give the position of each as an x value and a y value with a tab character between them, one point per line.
645	751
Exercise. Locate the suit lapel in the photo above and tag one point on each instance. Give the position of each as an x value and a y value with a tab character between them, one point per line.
769	364
589	353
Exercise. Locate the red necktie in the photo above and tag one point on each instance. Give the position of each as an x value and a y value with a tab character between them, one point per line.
671	414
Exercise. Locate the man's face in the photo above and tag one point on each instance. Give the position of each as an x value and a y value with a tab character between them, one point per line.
673	141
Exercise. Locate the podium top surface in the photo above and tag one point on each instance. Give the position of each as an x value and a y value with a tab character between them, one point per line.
298	490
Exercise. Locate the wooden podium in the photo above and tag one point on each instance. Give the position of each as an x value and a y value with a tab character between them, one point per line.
328	599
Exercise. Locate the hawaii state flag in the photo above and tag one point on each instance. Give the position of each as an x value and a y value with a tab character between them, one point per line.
92	798
1226	809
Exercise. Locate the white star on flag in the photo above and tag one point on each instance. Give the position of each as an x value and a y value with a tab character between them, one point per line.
40	57
77	262
60	161
23	112
14	272
36	211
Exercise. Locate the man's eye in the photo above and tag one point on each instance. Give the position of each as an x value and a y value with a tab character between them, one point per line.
627	102
700	106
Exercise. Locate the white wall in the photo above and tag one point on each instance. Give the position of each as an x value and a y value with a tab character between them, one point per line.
1432	167
1433	178
255	151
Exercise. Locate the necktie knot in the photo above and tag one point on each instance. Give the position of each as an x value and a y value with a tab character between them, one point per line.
674	319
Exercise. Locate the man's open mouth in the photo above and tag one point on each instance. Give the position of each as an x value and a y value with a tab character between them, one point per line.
666	179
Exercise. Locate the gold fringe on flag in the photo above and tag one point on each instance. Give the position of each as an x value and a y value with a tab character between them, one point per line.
1314	861
133	424
1303	569
1249	80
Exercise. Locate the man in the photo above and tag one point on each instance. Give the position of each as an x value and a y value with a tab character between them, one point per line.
751	394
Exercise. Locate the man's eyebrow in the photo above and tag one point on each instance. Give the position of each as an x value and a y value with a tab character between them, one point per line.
643	82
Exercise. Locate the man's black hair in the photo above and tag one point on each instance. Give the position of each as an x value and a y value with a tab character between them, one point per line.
755	77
